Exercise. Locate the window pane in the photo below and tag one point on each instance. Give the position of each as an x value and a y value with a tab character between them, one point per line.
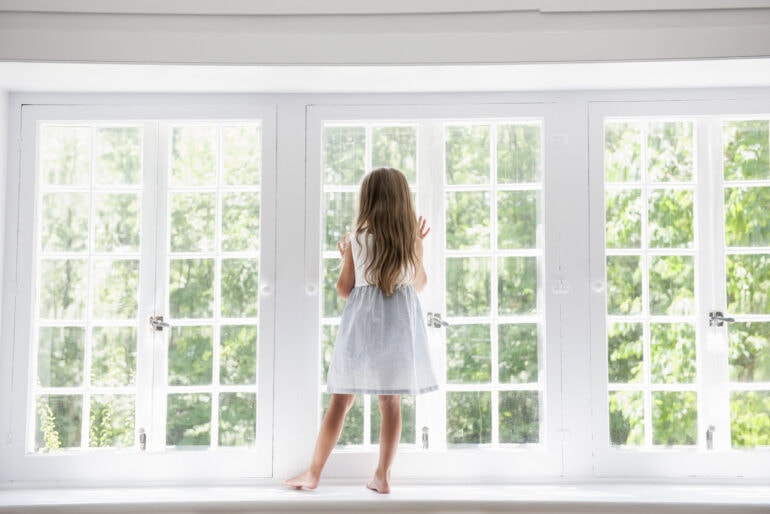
672	285
623	218
748	283
192	222
344	155
745	146
238	358
116	288
333	304
624	285
408	428
240	288
468	286
194	156
63	290
670	150
519	417
622	152
749	351
113	356
468	417
517	214
339	217
518	350
468	354
64	222
467	154
117	222
237	419
118	156
353	431
625	350
60	356
747	220
395	147
112	421
58	422
241	154
674	418
626	418
670	223
467	220
519	153
190	355
673	353
750	419
188	420
191	288
328	335
517	285
65	153
240	222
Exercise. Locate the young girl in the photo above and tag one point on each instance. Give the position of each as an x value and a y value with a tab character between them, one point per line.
382	344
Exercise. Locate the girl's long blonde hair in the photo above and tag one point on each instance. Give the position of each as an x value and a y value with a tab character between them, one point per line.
386	212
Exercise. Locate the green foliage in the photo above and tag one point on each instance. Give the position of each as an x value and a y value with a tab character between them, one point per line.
190	354
47	435
468	354
468	286
519	151
748	283
240	222
519	417
339	217
58	422
191	288
241	154
517	285
188	420
670	150
118	156
328	335
117	222
240	288
353	431
112	302
192	222
112	421
467	154
469	419
65	155
408	420
113	356
344	155
194	151
674	418
746	145
623	218
624	284
64	222
237	419
517	219
749	351
746	216
63	289
622	152
625	353
626	409
396	147
750	418
238	357
60	356
467	220
518	353
672	285
673	357
670	223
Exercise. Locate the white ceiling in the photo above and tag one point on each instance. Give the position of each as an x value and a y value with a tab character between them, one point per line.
66	77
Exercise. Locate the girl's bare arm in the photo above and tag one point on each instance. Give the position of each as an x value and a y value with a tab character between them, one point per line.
421	277
347	279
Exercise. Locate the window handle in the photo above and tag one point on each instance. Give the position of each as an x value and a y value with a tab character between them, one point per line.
157	323
717	319
435	321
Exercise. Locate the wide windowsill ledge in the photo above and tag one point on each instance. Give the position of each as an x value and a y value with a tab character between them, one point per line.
347	497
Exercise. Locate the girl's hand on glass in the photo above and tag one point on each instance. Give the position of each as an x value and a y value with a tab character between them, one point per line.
422	228
342	246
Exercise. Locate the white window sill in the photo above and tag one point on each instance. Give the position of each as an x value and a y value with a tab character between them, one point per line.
338	497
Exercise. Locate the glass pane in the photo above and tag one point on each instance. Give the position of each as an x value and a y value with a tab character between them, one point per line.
408	420
64	222
188	420
519	417
468	284
112	421
623	218
467	154
118	156
750	418
60	356
672	285
193	218
113	356
517	285
747	219
673	353
624	284
65	155
241	154
63	289
328	335
238	358
517	219
190	355
626	418
240	222
670	223
240	288
519	153
670	150
117	222
191	288
59	420
194	156
748	283
468	354
237	419
749	351
468	417
333	304
622	152
625	350
353	431
467	220
518	349
339	217
116	288
344	155
674	418
395	147
745	146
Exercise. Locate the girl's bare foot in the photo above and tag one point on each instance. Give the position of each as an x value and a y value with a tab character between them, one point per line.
306	480
379	484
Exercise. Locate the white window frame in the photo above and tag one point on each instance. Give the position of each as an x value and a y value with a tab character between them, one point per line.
100	466
679	462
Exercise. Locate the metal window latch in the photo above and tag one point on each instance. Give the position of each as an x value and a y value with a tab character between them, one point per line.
156	322
710	437
142	440
717	319
435	321
425	442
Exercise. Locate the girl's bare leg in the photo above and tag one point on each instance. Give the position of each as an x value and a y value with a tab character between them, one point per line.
390	435
331	428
